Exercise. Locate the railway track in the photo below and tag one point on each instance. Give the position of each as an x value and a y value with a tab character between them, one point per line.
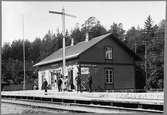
81	105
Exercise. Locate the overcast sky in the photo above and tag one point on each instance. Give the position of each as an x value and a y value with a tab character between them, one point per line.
37	20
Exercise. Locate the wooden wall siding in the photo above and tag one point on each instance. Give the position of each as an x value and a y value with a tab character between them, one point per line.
97	78
96	53
123	77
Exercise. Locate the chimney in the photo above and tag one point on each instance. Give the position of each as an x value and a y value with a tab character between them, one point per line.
87	37
72	41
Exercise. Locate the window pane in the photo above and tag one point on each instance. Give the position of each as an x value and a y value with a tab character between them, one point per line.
106	72
110	72
108	53
109	75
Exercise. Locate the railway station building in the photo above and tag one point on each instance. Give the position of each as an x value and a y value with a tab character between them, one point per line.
109	62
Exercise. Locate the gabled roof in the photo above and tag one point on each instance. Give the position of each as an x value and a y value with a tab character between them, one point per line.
76	50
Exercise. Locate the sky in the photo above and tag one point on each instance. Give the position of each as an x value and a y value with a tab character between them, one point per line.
37	20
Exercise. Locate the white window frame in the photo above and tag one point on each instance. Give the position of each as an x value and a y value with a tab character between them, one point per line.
108	52
109	75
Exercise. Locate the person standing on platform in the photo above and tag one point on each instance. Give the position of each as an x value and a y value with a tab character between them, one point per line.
59	83
90	83
71	84
66	83
45	86
55	84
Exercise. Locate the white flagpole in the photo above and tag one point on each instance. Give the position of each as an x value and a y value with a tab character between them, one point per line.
63	31
23	52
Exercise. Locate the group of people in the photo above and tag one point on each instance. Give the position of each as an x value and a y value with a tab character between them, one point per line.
63	83
67	84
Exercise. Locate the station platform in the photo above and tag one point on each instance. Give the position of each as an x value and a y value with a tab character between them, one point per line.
151	98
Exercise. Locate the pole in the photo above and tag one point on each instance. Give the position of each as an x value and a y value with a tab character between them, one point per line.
146	37
23	55
63	31
146	60
165	67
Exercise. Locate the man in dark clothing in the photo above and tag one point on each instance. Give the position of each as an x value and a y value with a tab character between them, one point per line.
59	84
45	86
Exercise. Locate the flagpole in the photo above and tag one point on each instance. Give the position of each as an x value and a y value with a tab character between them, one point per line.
23	52
63	31
63	14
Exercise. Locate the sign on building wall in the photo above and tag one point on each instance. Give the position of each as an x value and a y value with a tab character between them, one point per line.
88	65
84	70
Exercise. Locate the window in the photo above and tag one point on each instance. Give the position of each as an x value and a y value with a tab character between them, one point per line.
108	52
109	75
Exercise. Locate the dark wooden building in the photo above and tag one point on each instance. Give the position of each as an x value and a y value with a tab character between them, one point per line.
108	60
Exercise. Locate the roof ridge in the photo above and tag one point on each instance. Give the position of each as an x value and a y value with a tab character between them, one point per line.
87	41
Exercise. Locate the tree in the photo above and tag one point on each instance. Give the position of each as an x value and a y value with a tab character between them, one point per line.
133	38
89	23
153	36
35	50
60	40
46	45
17	50
148	24
77	35
117	30
154	47
93	27
6	51
97	30
67	38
